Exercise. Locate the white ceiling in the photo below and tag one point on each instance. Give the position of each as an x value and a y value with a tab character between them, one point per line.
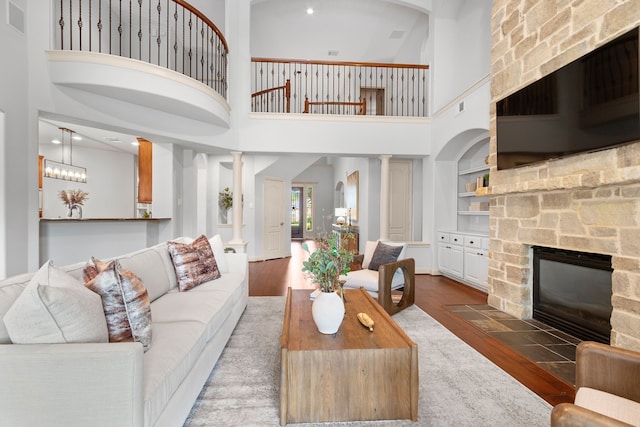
359	30
91	137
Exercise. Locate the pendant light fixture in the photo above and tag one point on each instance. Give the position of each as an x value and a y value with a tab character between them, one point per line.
63	170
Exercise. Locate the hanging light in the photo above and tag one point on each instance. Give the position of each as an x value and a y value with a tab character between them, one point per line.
63	170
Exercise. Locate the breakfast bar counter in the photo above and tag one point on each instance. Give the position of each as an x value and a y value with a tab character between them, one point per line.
69	240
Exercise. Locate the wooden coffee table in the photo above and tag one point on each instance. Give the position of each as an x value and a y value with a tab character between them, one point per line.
353	375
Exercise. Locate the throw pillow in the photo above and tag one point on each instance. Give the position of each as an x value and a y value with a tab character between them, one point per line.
384	254
125	301
194	263
55	308
218	252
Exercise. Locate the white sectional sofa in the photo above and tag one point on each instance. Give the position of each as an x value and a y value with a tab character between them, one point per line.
117	384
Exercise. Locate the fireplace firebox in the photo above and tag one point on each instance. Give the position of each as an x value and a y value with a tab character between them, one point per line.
572	292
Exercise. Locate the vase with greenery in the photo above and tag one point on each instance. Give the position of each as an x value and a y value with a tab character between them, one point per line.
324	266
225	201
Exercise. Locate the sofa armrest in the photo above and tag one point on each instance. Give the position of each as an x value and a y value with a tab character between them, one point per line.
238	262
71	384
570	415
610	369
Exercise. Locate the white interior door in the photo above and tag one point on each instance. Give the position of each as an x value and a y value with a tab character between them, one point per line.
400	187
274	221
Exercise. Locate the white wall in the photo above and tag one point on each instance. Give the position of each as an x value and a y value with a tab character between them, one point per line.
462	43
110	183
18	181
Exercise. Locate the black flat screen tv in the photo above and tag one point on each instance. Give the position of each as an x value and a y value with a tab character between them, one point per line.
588	105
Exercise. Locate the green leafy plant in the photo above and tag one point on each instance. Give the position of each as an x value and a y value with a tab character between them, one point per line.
327	262
225	199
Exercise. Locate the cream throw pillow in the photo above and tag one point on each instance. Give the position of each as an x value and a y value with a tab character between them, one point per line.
56	308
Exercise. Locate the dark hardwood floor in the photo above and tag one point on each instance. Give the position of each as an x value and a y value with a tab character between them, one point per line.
433	295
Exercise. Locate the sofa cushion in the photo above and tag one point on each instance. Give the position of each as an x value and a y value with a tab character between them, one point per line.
149	266
194	262
384	254
10	290
55	308
176	347
368	279
218	252
608	404
369	249
124	299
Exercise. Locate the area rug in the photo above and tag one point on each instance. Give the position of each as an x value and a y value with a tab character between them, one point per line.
458	386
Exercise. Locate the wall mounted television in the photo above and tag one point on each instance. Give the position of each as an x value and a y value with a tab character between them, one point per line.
588	105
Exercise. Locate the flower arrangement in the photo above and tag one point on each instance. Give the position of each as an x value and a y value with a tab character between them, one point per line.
225	199
327	263
73	197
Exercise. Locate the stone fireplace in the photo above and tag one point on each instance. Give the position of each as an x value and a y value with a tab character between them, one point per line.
588	202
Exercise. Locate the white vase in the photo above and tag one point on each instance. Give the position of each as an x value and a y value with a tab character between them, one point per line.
328	311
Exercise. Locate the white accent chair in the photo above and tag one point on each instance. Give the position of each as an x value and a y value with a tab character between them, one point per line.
392	276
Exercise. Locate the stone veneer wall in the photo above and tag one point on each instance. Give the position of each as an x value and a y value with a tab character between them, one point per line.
589	202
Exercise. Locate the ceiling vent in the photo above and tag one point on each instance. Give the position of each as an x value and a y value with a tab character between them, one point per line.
397	34
333	53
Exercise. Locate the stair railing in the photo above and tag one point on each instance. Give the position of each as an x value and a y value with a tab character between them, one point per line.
168	33
388	89
272	100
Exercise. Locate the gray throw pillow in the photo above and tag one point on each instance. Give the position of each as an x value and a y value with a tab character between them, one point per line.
384	254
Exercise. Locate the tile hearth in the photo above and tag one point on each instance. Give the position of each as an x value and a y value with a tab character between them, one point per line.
551	349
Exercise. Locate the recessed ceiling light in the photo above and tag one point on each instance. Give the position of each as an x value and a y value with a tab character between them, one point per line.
77	137
55	141
310	11
136	143
112	139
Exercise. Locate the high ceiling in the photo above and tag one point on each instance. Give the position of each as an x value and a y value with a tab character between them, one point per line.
353	30
357	30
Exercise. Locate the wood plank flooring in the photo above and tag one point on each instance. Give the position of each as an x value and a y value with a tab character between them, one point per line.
433	295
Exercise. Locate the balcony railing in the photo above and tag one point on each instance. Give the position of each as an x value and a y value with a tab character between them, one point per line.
346	88
168	33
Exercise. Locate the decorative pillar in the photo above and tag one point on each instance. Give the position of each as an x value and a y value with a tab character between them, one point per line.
237	198
384	197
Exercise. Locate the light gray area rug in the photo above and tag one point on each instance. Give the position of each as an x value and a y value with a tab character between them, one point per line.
458	386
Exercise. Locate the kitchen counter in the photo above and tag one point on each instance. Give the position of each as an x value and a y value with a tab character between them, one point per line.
68	240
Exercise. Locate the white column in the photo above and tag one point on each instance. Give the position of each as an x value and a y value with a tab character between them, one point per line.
237	197
384	197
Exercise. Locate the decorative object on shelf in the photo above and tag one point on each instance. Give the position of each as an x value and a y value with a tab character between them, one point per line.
225	202
485	180
341	213
63	170
479	182
366	320
324	266
73	199
470	187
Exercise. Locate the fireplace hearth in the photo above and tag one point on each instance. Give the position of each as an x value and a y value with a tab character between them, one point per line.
572	292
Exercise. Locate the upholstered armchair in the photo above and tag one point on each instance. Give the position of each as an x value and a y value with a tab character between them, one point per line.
381	270
607	389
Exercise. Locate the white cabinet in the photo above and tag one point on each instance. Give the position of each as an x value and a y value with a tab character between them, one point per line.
451	254
476	267
464	257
